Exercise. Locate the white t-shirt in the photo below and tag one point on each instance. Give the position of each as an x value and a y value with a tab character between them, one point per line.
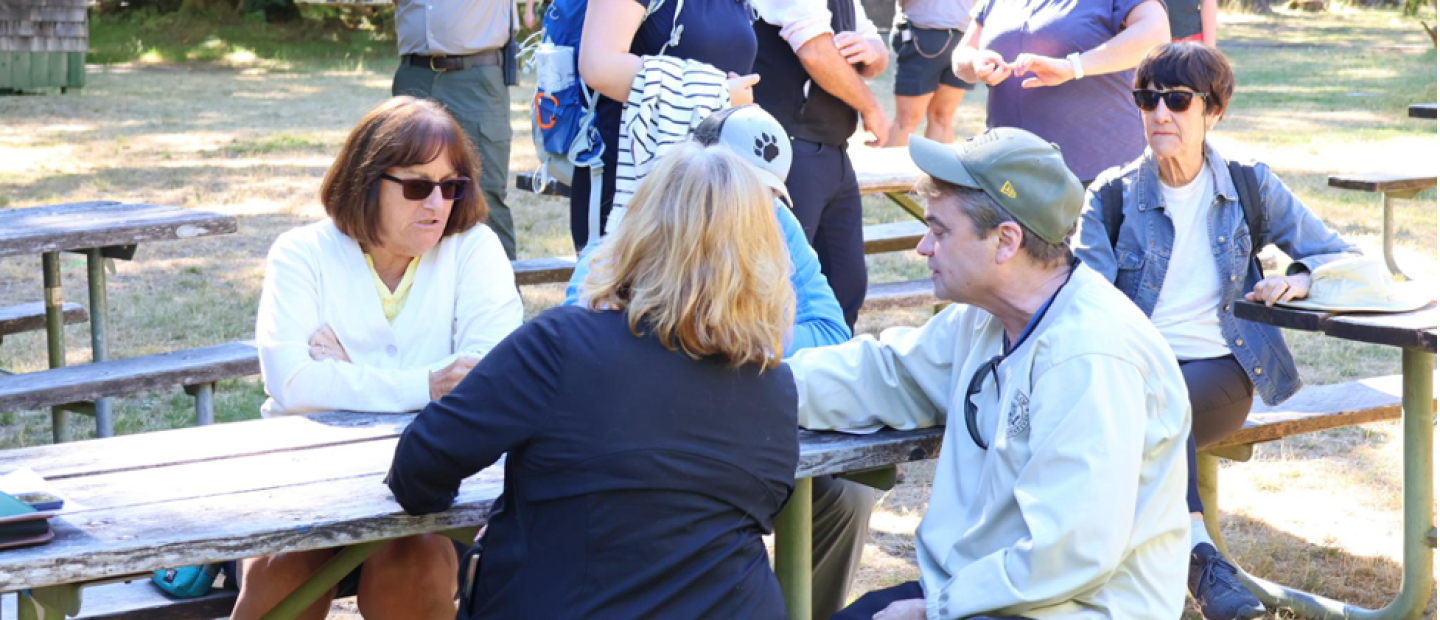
1186	312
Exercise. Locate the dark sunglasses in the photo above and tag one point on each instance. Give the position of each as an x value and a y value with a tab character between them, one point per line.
1175	100
419	189
972	412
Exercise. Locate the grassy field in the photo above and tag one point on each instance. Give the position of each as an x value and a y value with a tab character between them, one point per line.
243	119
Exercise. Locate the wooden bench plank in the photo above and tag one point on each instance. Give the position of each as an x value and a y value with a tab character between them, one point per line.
1384	181
100	544
190	445
1319	408
83	225
29	317
119	377
543	270
1422	110
879	238
898	295
141	600
877	171
1408	330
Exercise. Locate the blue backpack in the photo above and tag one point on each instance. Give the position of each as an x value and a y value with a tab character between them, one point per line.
563	108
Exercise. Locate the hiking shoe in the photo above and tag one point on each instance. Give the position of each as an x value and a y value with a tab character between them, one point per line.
1214	586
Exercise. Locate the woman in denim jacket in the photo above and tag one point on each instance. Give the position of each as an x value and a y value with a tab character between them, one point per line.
1180	206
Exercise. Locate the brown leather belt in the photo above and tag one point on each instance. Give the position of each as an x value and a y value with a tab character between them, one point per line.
441	63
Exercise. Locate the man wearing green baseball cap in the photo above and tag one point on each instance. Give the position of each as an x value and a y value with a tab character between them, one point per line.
1058	490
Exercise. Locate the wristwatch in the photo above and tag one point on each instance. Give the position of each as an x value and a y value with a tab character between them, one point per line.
1075	66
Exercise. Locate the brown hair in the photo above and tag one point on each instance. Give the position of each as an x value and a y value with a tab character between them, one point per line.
700	261
986	215
1192	65
403	131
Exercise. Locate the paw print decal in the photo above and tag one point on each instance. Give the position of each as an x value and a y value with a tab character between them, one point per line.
766	147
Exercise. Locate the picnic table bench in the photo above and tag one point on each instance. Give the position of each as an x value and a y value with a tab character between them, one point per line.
1391	186
1415	334
101	230
198	495
29	317
887	171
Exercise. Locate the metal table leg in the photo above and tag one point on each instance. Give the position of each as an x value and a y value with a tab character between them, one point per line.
99	317
1418	425
1389	230
909	205
323	580
55	336
792	552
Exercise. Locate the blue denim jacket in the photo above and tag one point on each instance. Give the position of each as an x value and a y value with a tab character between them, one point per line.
818	319
1141	256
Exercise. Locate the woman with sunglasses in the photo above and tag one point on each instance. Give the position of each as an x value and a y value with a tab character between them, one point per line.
382	307
1176	238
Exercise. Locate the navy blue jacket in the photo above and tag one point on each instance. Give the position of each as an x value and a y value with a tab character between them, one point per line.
638	481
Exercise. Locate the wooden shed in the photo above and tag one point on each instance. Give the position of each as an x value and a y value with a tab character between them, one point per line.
43	44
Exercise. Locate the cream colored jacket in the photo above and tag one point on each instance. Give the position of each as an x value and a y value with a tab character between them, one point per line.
1077	509
463	301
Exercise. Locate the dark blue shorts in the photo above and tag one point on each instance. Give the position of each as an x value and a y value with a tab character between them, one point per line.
923	61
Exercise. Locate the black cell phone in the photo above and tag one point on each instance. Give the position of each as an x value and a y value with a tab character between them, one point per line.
41	501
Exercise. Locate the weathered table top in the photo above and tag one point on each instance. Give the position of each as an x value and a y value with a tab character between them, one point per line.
223	492
1412	330
1422	110
883	170
85	225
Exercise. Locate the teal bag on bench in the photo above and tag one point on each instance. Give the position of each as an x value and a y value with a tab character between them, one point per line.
187	581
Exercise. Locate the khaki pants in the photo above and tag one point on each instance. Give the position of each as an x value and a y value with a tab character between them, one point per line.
479	100
840	511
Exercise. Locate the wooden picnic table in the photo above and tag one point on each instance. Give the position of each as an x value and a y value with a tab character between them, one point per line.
100	230
189	496
1422	110
1414	333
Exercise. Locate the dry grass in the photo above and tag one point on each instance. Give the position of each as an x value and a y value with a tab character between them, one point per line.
252	136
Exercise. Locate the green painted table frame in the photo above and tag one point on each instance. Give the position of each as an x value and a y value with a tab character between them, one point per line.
1417	421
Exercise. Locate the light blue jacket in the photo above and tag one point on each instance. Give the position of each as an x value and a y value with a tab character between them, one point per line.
1141	255
818	319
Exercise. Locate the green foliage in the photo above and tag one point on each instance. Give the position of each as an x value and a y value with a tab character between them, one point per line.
149	34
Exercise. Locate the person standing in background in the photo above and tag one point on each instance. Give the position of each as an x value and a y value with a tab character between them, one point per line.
1194	20
454	52
812	57
925	35
1071	65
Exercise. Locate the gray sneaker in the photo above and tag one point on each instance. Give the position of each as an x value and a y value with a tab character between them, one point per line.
1215	587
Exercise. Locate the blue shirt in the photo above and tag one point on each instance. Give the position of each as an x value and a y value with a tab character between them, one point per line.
1093	119
1138	260
818	319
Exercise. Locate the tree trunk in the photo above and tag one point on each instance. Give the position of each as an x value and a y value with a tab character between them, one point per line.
1259	7
284	11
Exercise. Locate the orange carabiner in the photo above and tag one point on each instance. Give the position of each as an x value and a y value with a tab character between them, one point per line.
538	121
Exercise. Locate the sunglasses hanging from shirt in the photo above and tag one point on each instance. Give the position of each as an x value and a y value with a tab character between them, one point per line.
420	189
1175	100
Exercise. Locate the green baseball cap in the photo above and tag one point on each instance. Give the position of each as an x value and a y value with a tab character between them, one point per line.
1024	174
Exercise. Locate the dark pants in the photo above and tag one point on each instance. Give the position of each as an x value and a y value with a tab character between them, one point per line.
1220	398
480	102
827	202
865	607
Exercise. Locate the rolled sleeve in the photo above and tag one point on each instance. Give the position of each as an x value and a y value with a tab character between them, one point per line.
799	20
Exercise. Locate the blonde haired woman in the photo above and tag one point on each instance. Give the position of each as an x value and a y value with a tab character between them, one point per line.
651	438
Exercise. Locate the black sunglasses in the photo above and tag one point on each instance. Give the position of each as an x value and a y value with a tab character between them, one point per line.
972	412
419	189
1175	100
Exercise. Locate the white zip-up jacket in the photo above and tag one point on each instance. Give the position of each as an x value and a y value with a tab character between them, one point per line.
1077	509
462	302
